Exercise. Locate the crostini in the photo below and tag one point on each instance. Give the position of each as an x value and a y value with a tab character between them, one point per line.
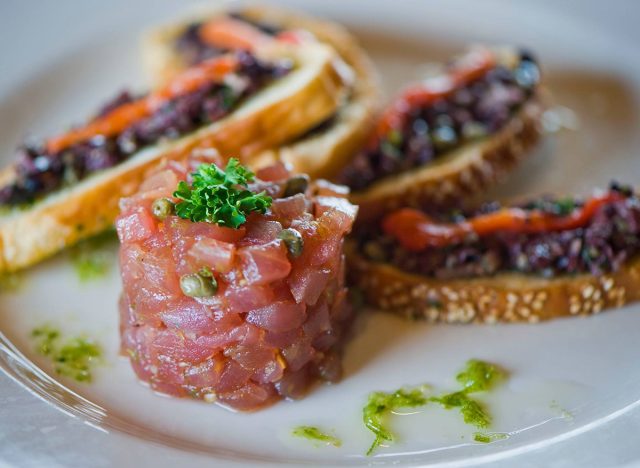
68	187
528	262
324	150
450	136
234	285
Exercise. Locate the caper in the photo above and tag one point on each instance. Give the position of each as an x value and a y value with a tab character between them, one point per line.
295	185
161	208
293	240
196	285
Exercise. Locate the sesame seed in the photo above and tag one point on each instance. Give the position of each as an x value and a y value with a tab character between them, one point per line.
524	311
607	283
587	291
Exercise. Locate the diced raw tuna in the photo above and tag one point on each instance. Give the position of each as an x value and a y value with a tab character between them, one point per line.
275	324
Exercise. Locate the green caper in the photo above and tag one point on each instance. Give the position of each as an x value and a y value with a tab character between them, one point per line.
293	240
295	185
161	208
196	285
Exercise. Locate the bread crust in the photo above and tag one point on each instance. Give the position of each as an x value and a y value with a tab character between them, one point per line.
320	154
505	297
461	174
305	97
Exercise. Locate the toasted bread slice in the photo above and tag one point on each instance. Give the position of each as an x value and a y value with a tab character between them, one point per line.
459	175
527	260
321	153
289	106
461	172
506	297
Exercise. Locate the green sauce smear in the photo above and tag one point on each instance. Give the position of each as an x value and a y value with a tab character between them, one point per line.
477	376
486	438
73	358
471	410
380	404
10	282
315	434
93	257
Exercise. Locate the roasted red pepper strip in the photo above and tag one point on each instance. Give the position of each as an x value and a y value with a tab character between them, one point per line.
233	34
416	231
469	68
125	115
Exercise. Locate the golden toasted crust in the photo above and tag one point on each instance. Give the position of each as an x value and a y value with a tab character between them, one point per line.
459	175
306	96
319	154
506	297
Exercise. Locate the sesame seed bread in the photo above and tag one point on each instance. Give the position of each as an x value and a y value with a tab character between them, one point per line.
320	154
505	297
291	105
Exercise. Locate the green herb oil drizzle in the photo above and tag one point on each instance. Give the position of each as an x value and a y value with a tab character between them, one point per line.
93	258
11	282
477	376
380	404
486	438
73	358
315	434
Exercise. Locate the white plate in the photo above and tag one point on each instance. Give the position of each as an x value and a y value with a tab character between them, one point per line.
60	60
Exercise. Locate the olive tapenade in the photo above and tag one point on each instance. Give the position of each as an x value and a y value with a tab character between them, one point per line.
192	49
41	170
476	107
602	233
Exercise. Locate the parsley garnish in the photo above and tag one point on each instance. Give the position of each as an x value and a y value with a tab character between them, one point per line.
220	196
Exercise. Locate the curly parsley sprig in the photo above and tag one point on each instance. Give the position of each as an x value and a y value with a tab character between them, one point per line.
220	196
